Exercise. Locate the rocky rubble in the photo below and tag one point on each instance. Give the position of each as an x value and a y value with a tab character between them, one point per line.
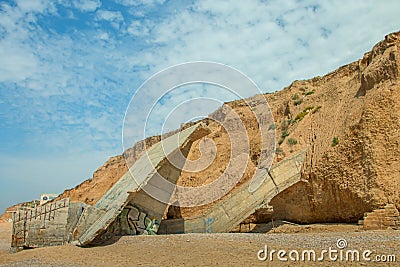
382	219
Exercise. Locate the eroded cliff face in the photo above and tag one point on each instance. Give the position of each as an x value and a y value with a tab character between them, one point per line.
353	139
349	121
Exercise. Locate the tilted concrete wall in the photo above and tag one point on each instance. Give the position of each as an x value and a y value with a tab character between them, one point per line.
142	213
230	212
74	214
128	188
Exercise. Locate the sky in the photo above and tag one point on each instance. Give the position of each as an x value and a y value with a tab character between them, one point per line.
69	68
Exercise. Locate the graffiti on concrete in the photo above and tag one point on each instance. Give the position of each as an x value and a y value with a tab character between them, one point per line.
207	224
131	221
140	222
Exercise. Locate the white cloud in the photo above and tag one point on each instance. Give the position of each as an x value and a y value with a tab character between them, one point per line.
140	2
247	35
17	64
109	15
138	28
104	36
49	79
34	6
87	5
18	59
115	18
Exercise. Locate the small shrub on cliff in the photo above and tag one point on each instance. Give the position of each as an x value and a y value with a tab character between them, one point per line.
279	151
295	97
298	102
300	116
290	121
335	141
308	93
292	141
308	108
316	109
284	134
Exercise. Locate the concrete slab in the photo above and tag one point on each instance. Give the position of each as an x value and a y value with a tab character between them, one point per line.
142	172
230	212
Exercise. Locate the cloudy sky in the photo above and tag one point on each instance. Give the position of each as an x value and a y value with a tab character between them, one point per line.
68	68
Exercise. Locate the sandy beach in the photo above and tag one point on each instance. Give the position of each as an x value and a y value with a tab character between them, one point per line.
229	249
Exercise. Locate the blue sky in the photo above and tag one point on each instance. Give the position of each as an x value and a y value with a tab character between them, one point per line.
69	68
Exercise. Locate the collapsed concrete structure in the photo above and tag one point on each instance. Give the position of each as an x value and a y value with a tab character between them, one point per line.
225	215
126	209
